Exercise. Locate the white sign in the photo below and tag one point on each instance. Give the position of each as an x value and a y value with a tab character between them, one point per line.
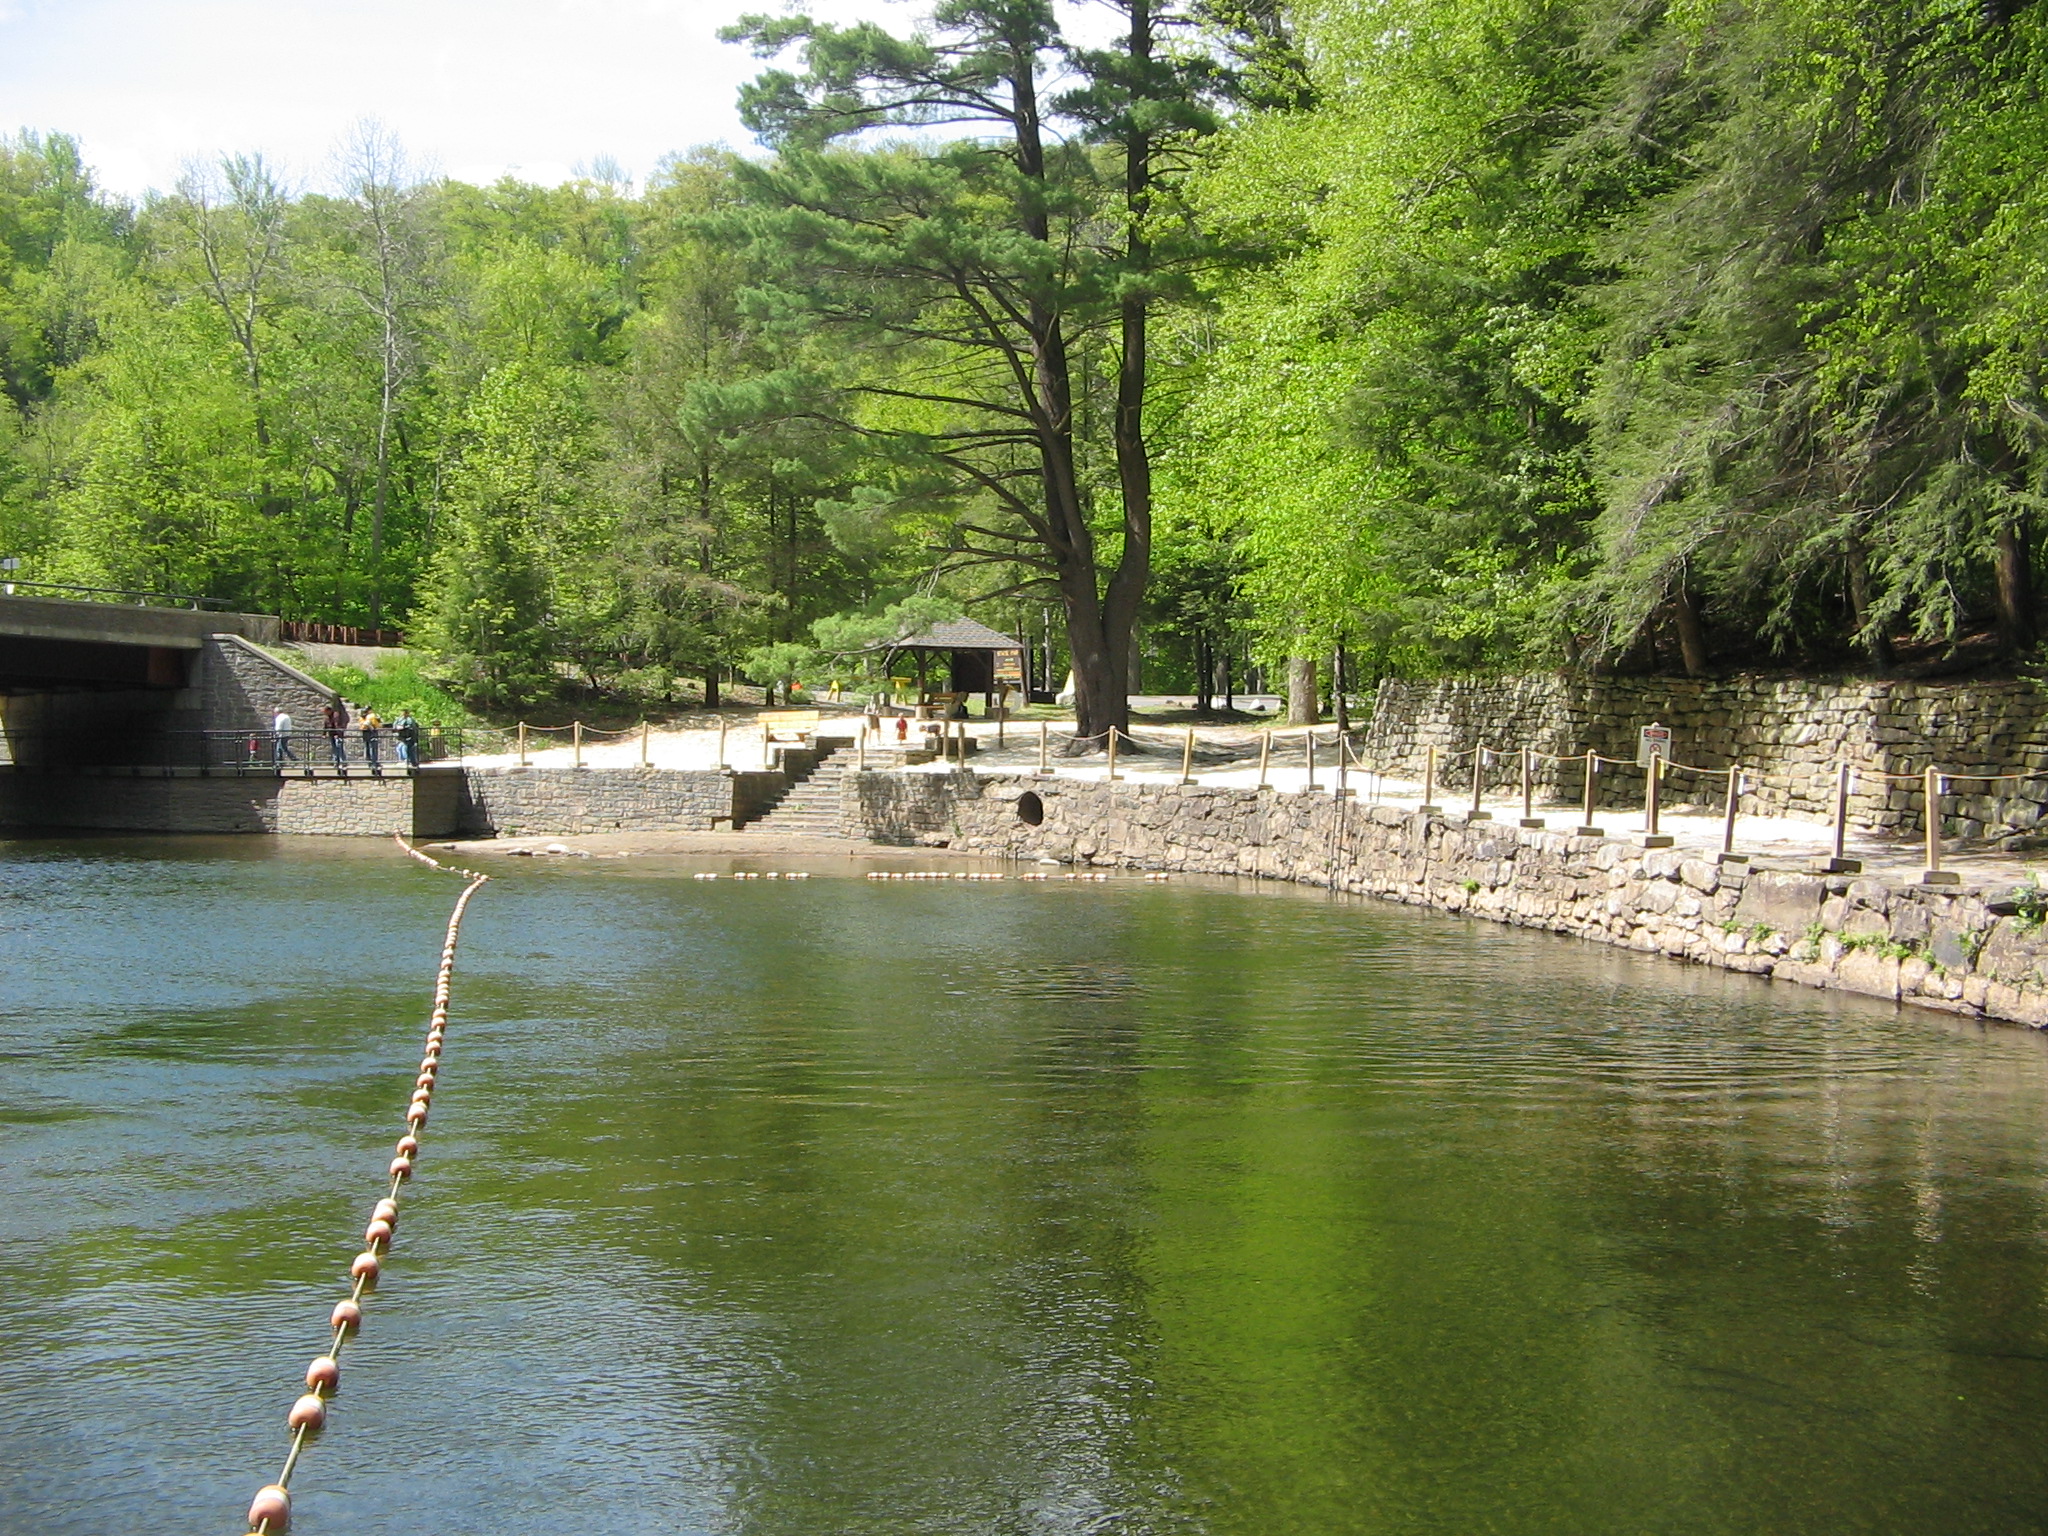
1653	741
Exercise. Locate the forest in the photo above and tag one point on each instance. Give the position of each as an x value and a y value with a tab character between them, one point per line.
1442	336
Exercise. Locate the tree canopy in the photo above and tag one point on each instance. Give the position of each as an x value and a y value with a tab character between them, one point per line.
1463	334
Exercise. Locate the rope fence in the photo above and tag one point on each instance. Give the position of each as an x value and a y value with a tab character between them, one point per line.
1330	761
271	1510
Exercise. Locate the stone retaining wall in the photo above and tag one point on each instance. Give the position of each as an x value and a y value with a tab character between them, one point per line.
1936	947
516	801
436	802
1786	734
423	806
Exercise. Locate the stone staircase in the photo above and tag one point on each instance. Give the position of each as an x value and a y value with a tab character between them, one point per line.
809	807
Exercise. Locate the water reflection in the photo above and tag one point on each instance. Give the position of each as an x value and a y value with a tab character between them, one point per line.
845	1207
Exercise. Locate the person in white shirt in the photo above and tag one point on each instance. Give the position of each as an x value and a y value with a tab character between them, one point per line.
281	738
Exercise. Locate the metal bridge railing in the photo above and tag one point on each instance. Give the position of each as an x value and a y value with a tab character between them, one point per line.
238	751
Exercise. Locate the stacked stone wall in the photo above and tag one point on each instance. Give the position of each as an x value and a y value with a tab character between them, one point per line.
516	801
1786	734
239	687
421	806
1944	948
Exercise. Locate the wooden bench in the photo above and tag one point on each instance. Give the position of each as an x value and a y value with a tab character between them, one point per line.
789	726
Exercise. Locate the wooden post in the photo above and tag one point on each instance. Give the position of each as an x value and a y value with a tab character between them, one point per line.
1478	781
1934	874
1341	789
1044	761
1187	757
1309	755
1428	808
860	748
1265	755
1653	783
1586	827
1002	722
721	740
522	743
1112	755
577	731
1529	816
1728	853
1838	863
643	743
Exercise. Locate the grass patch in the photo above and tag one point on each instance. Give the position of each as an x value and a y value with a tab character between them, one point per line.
395	686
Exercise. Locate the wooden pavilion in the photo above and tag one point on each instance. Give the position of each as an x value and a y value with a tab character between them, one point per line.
974	658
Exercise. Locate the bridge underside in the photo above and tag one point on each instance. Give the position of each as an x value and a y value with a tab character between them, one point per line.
31	665
101	685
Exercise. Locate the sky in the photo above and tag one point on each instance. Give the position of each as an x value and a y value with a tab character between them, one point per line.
474	89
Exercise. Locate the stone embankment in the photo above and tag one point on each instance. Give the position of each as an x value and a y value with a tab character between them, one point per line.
1787	734
1964	951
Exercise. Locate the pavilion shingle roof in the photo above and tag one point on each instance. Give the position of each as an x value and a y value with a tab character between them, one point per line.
959	635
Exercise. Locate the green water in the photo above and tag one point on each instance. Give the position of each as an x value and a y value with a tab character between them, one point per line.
848	1207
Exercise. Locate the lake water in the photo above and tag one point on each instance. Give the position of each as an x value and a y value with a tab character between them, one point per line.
834	1207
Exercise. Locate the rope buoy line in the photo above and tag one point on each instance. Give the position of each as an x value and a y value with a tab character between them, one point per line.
271	1511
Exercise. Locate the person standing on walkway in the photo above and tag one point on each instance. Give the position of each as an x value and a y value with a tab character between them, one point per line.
281	738
407	730
334	719
373	732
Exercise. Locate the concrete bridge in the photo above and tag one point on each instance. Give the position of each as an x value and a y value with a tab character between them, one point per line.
111	685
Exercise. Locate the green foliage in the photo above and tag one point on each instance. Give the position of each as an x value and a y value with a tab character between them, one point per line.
780	664
397	684
846	634
1602	333
1464	334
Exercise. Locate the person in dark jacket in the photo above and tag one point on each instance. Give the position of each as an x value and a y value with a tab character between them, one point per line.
334	720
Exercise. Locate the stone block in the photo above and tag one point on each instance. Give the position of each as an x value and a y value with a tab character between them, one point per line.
1787	902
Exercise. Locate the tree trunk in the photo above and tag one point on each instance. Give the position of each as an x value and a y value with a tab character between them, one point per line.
377	502
711	687
1876	644
1301	691
1205	700
1125	589
1692	634
2015	586
1340	680
1223	680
